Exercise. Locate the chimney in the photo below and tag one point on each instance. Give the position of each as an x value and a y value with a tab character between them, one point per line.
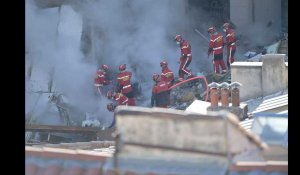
214	94
235	93
224	94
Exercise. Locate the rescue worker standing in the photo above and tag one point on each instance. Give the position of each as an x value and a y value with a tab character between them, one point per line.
124	84
185	59
215	47
160	93
230	43
166	75
101	79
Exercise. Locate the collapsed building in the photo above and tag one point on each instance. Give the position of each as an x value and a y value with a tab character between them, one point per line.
131	139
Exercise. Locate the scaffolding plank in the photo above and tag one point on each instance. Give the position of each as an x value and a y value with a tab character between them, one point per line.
62	129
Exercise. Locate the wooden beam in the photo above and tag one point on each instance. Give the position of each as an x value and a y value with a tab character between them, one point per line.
63	129
79	145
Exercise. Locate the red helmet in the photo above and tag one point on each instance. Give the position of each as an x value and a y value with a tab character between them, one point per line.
163	64
105	67
226	25
109	94
122	67
155	77
211	30
178	38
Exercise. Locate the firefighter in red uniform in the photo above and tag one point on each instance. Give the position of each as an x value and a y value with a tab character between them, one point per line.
118	97
185	59
124	84
101	79
160	93
230	43
166	74
215	47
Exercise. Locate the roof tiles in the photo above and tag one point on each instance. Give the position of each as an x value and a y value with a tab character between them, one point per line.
57	161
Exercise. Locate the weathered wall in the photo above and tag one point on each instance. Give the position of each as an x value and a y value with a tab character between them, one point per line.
172	140
274	74
241	13
268	10
249	75
247	13
261	78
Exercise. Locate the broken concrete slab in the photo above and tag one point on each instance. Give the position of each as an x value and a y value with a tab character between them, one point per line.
198	106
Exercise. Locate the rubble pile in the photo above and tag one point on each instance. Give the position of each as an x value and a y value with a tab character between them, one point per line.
183	95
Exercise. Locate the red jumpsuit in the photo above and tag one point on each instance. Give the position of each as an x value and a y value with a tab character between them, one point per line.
121	99
124	86
185	59
100	80
215	47
231	47
160	95
168	76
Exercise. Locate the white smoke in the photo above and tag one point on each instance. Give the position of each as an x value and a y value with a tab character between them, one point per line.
138	33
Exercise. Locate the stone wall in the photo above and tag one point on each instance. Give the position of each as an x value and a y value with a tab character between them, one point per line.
261	78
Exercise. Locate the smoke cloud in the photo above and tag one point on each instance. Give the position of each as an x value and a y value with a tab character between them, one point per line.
138	33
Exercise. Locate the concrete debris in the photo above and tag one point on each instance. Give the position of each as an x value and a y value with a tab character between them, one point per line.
279	46
184	95
250	54
91	121
256	58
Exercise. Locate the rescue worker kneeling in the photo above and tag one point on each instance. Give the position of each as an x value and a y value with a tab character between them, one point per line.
160	93
118	97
